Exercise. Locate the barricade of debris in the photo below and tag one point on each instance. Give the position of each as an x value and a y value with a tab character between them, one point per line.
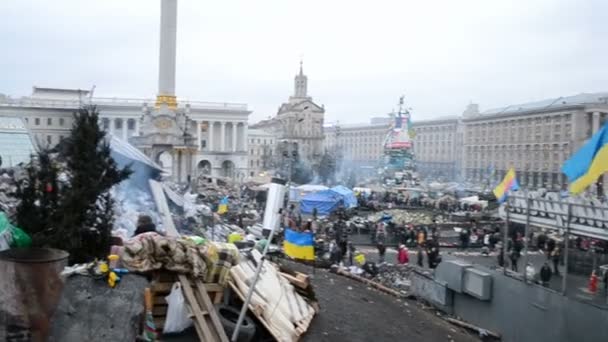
404	217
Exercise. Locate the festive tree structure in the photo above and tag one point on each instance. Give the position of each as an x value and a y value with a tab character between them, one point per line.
77	215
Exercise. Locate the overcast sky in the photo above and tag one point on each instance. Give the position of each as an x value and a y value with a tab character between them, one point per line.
360	56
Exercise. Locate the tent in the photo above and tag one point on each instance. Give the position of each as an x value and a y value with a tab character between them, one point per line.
347	195
325	201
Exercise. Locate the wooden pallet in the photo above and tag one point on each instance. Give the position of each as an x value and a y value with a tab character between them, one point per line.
206	320
162	283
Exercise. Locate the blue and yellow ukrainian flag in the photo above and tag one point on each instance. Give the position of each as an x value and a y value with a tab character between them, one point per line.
223	207
588	163
299	245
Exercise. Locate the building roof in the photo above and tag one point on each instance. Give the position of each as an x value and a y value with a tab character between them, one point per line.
355	126
260	132
551	104
436	121
74	98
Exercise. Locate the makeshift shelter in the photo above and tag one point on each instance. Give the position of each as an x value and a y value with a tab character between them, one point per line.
143	167
297	193
324	201
347	195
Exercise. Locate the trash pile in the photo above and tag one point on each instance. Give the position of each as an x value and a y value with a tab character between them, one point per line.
400	216
8	188
393	276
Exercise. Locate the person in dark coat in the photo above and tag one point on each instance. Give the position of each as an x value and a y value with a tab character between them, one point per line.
550	246
381	252
555	257
144	225
420	257
545	274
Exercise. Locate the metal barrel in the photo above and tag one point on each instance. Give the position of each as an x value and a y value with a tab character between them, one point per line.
30	289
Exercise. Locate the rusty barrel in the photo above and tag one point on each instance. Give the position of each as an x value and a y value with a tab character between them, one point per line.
30	289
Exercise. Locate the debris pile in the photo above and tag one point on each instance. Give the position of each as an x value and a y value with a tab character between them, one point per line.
393	276
404	217
8	188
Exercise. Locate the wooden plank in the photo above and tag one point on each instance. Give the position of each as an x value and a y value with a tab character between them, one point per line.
472	327
212	312
217	297
165	287
302	276
295	281
258	315
159	310
203	329
208	321
159	300
162	287
214	287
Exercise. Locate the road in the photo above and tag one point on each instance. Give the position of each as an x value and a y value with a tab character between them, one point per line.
576	287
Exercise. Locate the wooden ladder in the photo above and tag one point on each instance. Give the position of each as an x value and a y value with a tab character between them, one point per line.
206	321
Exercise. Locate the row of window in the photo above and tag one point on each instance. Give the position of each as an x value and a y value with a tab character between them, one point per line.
49	121
118	124
50	140
261	141
261	152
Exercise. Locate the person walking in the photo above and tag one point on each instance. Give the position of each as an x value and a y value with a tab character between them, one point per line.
351	253
381	251
420	257
514	256
464	238
545	274
403	255
555	256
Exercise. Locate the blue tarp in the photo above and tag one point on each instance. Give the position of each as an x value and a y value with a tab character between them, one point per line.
325	201
347	195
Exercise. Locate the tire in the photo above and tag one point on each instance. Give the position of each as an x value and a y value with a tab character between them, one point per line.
228	317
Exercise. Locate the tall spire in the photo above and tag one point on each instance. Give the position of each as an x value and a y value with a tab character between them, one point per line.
300	83
166	65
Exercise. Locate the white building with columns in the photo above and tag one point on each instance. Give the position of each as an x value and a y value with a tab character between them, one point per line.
188	138
221	151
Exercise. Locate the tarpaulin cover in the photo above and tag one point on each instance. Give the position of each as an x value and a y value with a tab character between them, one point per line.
347	195
325	201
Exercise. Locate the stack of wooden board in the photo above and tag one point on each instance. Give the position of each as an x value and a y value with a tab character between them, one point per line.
276	303
206	320
162	281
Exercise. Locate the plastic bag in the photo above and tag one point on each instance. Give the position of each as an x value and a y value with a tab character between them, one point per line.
6	239
20	238
177	312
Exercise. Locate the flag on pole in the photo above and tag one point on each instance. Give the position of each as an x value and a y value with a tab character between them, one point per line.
223	207
507	184
299	245
588	163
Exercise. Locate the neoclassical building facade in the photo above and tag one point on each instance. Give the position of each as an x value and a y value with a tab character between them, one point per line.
299	121
438	147
534	138
221	128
